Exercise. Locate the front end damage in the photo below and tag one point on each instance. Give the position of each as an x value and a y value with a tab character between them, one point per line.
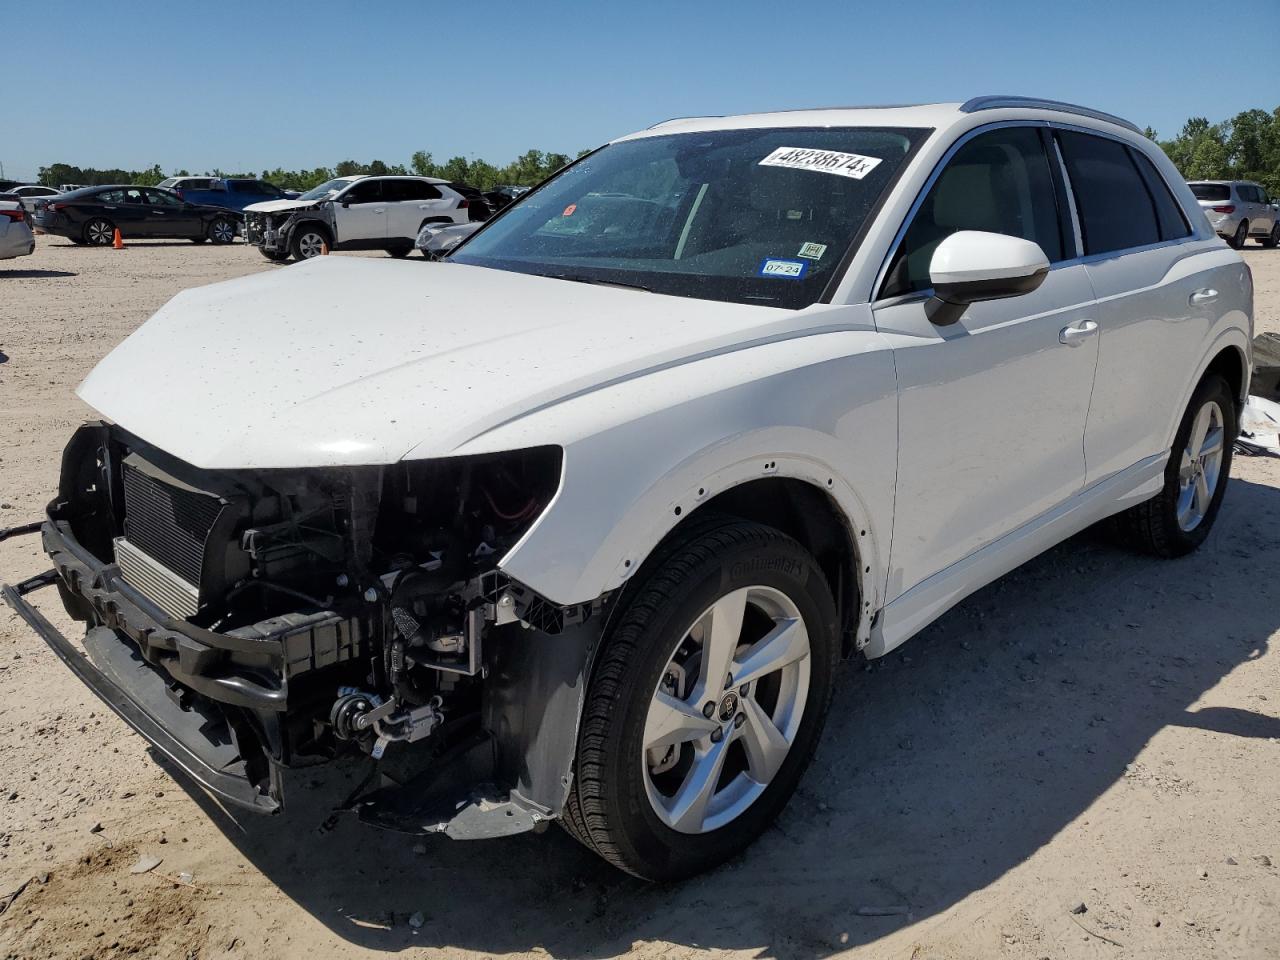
250	621
272	230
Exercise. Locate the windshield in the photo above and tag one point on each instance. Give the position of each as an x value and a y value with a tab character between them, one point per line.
759	216
325	190
1211	191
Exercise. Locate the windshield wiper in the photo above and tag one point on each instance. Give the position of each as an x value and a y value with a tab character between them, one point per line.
601	283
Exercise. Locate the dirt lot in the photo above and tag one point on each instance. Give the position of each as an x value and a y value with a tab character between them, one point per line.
1097	728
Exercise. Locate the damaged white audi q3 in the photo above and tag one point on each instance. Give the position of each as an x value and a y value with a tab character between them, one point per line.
577	523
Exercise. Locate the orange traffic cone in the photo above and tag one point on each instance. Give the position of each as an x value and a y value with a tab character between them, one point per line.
324	249
116	242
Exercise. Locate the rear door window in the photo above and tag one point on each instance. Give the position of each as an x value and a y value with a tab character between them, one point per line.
1116	210
407	190
998	182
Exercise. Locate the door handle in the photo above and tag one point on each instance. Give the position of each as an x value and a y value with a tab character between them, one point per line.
1203	296
1076	335
379	209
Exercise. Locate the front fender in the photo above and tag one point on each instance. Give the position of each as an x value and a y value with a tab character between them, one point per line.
821	409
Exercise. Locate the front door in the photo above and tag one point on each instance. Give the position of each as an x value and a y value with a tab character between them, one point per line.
992	409
170	217
361	214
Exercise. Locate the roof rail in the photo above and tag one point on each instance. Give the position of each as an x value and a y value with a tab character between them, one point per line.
663	123
1033	103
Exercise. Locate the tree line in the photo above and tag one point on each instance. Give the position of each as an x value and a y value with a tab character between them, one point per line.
531	167
1245	147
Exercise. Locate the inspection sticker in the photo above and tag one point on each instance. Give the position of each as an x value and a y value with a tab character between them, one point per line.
851	165
812	251
784	269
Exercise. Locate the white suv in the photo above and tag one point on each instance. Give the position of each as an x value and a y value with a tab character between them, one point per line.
353	213
581	518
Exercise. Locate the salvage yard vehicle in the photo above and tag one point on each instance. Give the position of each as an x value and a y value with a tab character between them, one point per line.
353	213
92	215
30	193
1239	210
233	193
16	238
577	523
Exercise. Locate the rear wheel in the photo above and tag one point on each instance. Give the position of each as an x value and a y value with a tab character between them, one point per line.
99	232
276	256
1240	236
222	230
1179	518
308	241
706	704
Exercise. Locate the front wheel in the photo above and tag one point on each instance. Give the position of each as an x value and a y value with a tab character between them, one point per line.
706	704
275	256
308	241
1179	518
1272	240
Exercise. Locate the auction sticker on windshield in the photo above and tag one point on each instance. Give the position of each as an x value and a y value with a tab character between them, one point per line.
852	165
784	269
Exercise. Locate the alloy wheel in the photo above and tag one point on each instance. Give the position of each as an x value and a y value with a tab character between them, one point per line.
726	710
310	245
223	231
1201	467
99	233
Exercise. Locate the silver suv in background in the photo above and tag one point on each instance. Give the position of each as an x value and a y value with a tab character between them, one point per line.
1238	210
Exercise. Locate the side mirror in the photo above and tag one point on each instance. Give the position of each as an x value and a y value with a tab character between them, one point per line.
971	266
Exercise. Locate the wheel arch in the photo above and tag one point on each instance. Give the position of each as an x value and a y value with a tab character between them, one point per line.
810	515
1231	356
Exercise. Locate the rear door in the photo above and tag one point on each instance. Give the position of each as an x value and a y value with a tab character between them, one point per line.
127	209
411	202
991	408
361	213
1140	253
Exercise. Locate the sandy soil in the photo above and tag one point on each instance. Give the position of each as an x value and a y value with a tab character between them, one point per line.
1098	728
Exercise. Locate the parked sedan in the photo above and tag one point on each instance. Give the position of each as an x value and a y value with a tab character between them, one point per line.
92	215
16	239
30	193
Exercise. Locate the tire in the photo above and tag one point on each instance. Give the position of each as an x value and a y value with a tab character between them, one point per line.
99	232
1240	236
399	252
1272	240
625	802
275	256
1164	526
308	241
221	231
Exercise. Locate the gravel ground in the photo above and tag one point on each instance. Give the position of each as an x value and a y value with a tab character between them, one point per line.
1097	730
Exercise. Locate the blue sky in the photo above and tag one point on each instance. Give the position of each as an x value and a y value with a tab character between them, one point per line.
251	85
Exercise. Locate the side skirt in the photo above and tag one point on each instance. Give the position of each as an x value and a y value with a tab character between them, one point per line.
925	602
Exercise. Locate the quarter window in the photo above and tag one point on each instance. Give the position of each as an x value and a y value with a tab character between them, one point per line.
1115	207
1173	225
998	182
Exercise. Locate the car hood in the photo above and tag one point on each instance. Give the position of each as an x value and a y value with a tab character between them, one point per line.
344	361
275	206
